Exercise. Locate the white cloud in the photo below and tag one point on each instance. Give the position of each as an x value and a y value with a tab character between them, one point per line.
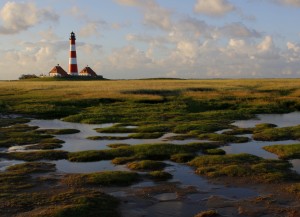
266	44
293	47
214	7
92	28
290	2
154	15
17	17
239	30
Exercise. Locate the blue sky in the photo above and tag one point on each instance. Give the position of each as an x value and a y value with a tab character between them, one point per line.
125	39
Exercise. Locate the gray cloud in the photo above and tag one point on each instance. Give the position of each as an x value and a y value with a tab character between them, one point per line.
17	17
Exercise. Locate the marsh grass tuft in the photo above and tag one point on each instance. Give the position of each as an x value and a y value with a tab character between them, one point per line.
118	145
32	167
37	155
159	175
146	165
182	157
256	169
58	131
106	178
285	151
224	138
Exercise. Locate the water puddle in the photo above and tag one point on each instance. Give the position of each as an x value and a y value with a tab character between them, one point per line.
187	177
166	196
87	167
281	120
6	163
78	141
169	204
255	147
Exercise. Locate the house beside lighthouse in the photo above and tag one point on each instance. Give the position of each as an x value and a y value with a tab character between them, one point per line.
86	72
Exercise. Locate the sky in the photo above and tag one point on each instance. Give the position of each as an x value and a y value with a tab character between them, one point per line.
132	39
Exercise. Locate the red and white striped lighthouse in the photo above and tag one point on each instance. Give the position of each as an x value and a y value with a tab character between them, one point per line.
73	69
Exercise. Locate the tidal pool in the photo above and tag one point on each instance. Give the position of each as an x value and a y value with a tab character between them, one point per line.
169	205
79	141
255	147
281	120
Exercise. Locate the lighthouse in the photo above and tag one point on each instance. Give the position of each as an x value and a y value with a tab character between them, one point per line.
73	69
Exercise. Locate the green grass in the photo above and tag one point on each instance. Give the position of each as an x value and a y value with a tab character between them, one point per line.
277	134
44	146
155	135
146	165
59	131
106	178
32	167
191	108
37	155
223	138
144	151
159	175
285	151
254	168
107	137
117	145
215	151
182	157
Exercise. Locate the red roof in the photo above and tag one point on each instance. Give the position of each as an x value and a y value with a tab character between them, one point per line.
59	70
88	71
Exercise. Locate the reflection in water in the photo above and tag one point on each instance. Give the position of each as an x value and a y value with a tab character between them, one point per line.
281	120
187	177
88	167
78	141
296	165
6	163
255	147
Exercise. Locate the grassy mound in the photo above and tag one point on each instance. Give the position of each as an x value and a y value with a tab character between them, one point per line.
285	151
244	165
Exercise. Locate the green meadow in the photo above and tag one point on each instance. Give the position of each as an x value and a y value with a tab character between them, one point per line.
141	109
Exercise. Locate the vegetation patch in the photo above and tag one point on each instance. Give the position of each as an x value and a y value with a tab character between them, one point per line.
123	160
116	129
14	182
285	151
32	167
107	137
182	157
8	121
201	127
37	155
159	92
277	134
208	213
215	151
44	146
224	138
20	136
244	165
155	135
106	178
145	165
58	131
117	145
158	151
159	175
239	131
71	202
294	188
